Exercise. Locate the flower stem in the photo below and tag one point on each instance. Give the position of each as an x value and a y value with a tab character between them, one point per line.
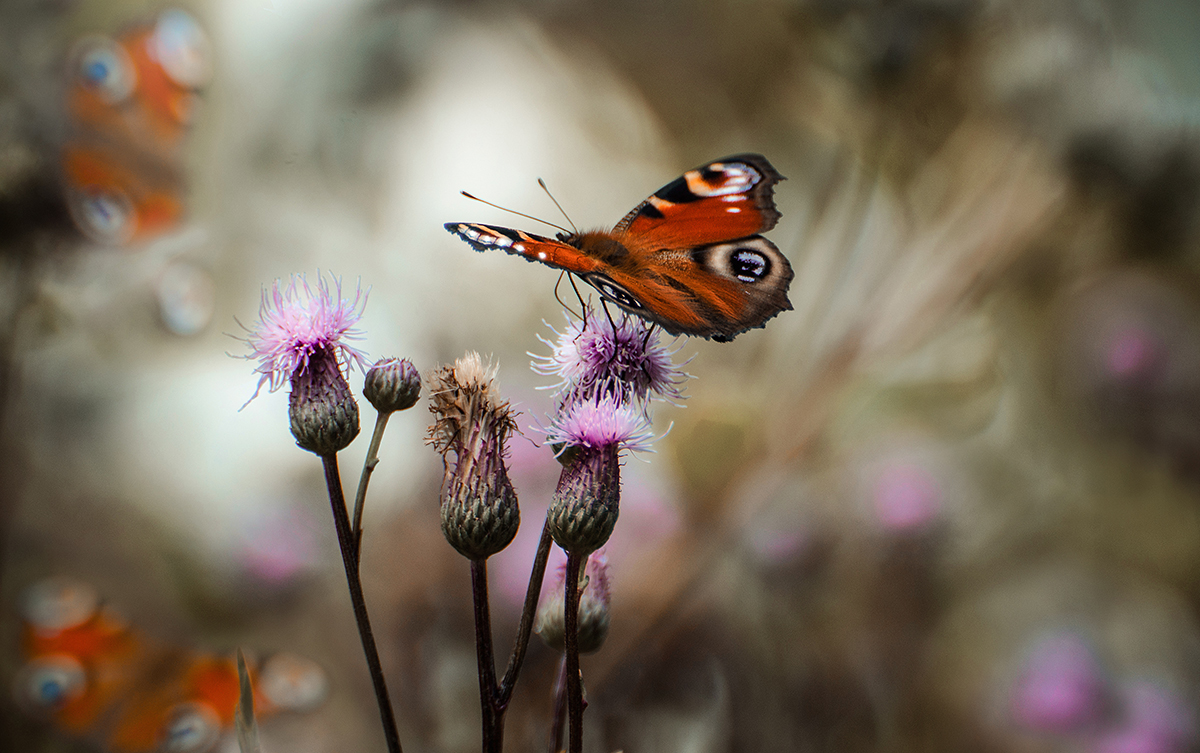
360	496
574	681
341	522
504	693
493	718
560	706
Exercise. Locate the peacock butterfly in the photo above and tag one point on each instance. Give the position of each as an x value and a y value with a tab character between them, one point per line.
96	678
130	102
689	258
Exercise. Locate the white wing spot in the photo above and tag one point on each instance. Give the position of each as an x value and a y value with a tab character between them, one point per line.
519	248
542	255
733	210
471	233
503	242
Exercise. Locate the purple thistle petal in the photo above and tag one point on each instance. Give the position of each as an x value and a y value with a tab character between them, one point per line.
601	423
297	321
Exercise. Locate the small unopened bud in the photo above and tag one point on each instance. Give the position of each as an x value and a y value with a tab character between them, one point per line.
479	506
392	384
593	609
323	413
587	500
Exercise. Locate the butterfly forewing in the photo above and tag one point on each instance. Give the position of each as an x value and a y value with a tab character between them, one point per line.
723	200
526	245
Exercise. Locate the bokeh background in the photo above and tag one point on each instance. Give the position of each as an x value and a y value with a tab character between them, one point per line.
948	503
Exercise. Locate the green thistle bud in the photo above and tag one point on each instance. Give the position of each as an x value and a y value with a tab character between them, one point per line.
322	411
593	609
392	384
587	500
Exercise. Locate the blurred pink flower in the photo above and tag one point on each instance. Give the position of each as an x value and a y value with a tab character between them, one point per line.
1061	688
1153	720
907	497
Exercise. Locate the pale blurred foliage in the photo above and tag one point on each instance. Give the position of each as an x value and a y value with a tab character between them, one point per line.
980	425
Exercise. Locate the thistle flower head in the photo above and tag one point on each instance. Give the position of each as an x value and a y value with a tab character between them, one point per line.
479	506
299	321
601	423
598	356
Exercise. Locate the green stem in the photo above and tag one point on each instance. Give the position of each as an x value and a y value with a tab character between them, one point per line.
360	496
504	692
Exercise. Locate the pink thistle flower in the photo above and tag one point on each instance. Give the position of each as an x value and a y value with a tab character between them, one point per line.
601	423
297	322
1061	688
593	358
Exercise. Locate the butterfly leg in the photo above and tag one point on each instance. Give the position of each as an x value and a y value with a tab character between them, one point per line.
607	313
560	300
649	331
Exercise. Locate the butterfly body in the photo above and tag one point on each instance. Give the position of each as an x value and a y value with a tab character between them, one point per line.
689	258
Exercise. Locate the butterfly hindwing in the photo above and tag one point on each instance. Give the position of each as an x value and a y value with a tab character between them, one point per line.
717	290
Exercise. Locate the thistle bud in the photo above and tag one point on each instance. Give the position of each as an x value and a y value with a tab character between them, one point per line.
323	413
392	384
593	609
479	508
586	502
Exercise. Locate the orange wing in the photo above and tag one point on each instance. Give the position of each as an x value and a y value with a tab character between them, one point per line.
725	199
97	679
131	102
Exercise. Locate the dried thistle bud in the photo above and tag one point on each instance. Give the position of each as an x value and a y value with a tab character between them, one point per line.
479	508
593	608
392	384
323	413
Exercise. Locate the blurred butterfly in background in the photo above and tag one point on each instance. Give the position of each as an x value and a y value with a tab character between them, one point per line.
95	678
130	104
689	258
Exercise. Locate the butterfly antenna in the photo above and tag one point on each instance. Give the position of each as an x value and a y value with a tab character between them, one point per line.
560	300
519	214
567	217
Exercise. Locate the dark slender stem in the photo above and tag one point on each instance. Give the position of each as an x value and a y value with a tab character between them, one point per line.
360	497
571	626
560	706
341	522
504	692
492	737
